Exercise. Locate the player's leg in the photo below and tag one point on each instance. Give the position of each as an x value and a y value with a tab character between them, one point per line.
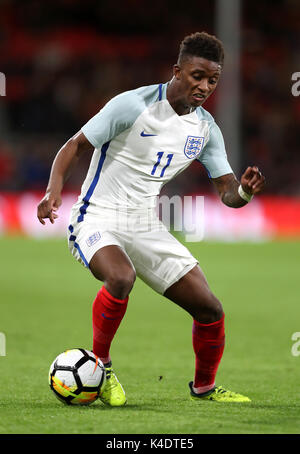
193	294
170	269
95	243
112	266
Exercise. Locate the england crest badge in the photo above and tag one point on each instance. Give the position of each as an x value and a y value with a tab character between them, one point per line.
193	146
93	239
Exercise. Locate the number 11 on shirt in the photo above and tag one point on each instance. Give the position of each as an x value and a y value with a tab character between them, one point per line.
159	156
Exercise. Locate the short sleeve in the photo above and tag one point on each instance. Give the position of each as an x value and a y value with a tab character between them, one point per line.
213	156
115	117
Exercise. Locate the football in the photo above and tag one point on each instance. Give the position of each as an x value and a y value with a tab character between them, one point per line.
77	377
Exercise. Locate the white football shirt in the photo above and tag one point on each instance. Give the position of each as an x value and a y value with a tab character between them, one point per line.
141	143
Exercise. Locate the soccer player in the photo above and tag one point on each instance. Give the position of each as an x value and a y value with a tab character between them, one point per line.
142	139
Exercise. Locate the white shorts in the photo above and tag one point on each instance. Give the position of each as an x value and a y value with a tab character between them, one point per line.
158	258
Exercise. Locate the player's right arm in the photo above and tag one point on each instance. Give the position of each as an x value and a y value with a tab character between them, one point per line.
62	166
117	115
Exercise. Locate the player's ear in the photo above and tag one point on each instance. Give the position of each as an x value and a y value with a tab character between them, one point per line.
177	71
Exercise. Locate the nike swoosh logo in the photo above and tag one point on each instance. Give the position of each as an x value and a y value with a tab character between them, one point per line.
147	135
217	346
109	318
97	360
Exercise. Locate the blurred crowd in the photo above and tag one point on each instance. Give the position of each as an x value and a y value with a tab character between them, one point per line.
64	59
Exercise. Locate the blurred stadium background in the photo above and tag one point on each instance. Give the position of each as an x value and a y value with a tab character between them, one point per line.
64	60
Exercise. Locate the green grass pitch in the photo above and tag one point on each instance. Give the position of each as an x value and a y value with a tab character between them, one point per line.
46	300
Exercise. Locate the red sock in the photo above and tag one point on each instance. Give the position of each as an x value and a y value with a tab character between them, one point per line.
208	344
108	313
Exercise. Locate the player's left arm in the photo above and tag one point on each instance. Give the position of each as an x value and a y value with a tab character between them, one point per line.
252	182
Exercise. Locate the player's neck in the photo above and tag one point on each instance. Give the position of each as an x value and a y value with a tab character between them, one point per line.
175	99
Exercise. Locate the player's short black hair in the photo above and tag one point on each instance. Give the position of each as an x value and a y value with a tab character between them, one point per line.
202	44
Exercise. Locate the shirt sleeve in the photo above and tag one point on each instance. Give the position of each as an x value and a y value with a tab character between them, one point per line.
213	156
115	117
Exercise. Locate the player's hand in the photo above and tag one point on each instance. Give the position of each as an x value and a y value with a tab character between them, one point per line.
253	181
47	208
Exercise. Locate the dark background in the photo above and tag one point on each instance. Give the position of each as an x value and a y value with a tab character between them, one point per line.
64	59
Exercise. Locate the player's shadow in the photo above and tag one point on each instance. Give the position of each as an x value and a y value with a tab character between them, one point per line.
133	407
95	407
287	406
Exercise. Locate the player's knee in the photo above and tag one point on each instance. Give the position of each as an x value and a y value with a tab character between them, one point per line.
216	310
210	310
119	283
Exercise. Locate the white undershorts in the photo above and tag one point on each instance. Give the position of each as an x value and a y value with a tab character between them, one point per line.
158	258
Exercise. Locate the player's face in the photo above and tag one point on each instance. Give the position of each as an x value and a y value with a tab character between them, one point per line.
197	79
